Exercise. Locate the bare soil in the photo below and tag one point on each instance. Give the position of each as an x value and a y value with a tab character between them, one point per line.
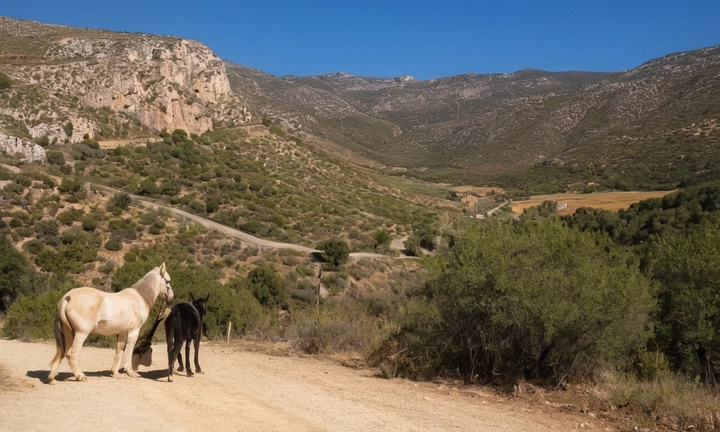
247	389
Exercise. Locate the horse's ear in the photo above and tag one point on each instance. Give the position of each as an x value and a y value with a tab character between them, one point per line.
162	268
207	298
192	297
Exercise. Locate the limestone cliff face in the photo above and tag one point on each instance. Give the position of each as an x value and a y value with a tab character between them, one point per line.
27	150
166	83
152	81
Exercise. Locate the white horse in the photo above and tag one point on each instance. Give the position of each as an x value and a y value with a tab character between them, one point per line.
87	310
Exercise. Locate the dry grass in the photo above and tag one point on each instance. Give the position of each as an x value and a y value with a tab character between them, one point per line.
480	191
612	201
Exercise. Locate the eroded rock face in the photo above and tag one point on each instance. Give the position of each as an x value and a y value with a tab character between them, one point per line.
166	83
104	83
13	145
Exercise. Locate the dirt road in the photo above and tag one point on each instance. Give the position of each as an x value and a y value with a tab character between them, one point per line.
248	390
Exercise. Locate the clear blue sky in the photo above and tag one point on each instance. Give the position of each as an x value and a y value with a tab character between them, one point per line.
422	38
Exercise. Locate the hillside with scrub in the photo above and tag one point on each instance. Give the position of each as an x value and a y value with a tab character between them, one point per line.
369	255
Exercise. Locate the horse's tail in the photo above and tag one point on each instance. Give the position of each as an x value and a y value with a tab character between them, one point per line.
64	336
61	321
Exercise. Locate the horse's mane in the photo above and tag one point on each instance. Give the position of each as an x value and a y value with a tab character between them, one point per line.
146	286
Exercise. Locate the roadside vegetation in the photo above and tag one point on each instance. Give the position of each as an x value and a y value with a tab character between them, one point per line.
625	302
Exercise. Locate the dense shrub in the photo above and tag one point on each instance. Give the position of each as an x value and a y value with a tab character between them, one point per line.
113	244
15	273
119	203
535	301
46	227
266	286
336	251
5	81
33	316
88	223
688	269
55	158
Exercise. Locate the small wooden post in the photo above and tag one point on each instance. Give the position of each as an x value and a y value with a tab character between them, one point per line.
228	331
317	303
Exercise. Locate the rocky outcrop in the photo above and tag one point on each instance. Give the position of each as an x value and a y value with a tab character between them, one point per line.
155	81
165	83
14	146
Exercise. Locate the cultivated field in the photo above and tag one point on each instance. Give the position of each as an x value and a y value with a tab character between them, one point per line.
612	201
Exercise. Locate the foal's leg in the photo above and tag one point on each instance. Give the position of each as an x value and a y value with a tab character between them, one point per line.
173	351
180	363
73	354
196	344
187	358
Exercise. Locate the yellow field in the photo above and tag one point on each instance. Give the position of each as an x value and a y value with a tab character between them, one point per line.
612	201
481	191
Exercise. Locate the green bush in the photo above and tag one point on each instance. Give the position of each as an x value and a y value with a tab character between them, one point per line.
688	328
68	128
34	246
382	237
114	244
55	158
5	81
336	251
32	317
15	273
120	201
89	224
70	186
266	286
534	301
46	227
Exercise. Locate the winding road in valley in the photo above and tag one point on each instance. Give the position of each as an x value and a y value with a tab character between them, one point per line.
232	232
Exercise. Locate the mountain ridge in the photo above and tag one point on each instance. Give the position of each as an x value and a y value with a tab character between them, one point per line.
654	126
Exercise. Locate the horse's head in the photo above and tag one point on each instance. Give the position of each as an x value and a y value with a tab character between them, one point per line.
200	304
165	276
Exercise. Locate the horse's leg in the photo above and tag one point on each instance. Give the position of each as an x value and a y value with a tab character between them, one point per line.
196	344
74	353
121	342
132	337
170	350
180	363
187	358
173	352
63	340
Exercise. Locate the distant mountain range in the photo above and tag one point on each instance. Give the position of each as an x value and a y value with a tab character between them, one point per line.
656	126
653	126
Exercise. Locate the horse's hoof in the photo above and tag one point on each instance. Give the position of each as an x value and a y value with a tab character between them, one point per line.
82	378
132	374
50	381
169	379
190	374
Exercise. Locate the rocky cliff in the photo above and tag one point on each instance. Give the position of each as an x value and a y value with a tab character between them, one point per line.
109	84
27	151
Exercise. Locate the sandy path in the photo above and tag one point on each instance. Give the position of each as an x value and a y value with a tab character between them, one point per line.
245	390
